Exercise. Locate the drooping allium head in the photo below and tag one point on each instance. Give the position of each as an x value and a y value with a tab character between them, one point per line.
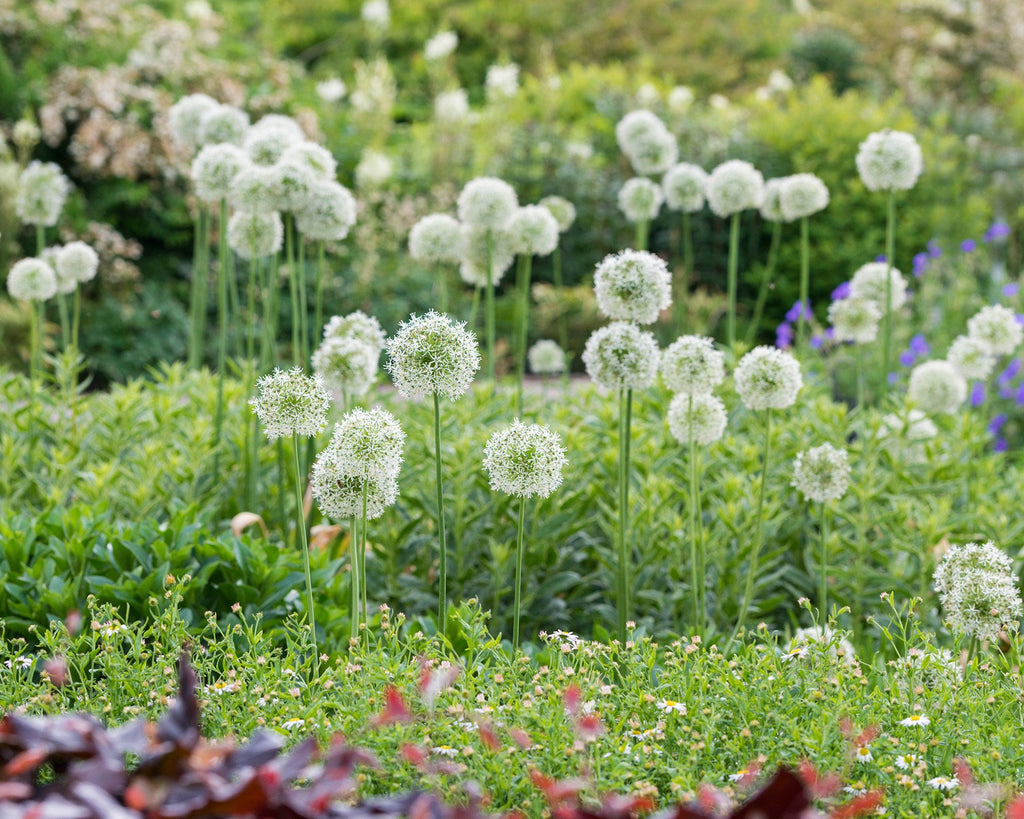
452	106
701	415
78	261
215	168
640	199
869	283
978	589
545	357
340	495
357	325
621	356
295	185
633	285
854	319
692	366
374	169
42	190
647	143
889	161
936	387
486	202
440	46
255	234
972	358
436	239
524	460
533	231
822	473
289	402
315	157
802	194
433	355
224	123
347	365
265	146
771	208
502	82
473	253
562	209
254	188
684	186
184	116
767	378
997	327
370	443
328	213
31	280
734	186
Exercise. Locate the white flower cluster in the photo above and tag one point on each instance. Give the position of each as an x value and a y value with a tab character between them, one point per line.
222	123
996	327
184	116
546	358
289	402
31	280
533	231
433	355
440	46
733	186
869	282
692	366
854	319
701	415
684	186
348	357
822	473
621	356
633	285
436	239
487	202
42	190
771	207
328	213
452	106
374	169
822	640
936	387
768	378
647	143
473	251
889	161
359	326
802	194
562	209
640	199
972	357
215	168
255	234
912	429
524	460
978	589
77	261
502	81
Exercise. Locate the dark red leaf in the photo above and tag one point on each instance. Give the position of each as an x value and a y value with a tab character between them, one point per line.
784	797
395	709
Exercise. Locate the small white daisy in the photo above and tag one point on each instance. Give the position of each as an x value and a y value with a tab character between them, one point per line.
906	761
943	783
669	706
916	719
290	724
863	754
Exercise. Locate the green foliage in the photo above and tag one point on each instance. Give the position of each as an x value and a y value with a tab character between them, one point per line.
834	54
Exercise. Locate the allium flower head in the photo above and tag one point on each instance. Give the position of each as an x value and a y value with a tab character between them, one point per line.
359	326
640	199
370	443
972	357
374	169
78	261
265	146
734	186
255	234
331	90
42	189
280	122
802	194
524	460
440	46
822	473
473	252
502	81
316	157
340	495
680	98
31	280
546	358
936	387
978	589
913	429
533	231
328	213
647	143
889	161
66	283
621	356
376	14
824	640
436	239
684	185
224	123
254	188
289	402
702	415
767	378
347	365
997	327
771	207
433	354
633	285
855	319
692	366
451	106
215	168
184	117
296	186
486	202
562	209
869	283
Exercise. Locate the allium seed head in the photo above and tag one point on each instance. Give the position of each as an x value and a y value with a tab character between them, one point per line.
647	143
66	283
767	378
296	186
31	280
440	46
913	429
432	354
42	190
802	194
869	283
473	252
937	387
562	209
621	356
369	443
328	213
224	123
972	358
692	366
486	202
265	146
78	261
640	199
855	319
889	161
254	188
524	460
215	168
451	107
633	285
359	326
316	157
997	327
280	122
684	185
734	186
533	231
978	589
184	117
822	473
702	415
340	496
255	234
347	365
502	82
373	170
546	358
436	239
289	402
771	207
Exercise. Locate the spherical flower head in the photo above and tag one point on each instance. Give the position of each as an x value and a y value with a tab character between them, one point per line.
373	170
692	366
296	186
647	143
889	161
734	186
287	402
331	90
433	355
369	443
347	365
184	117
359	326
316	157
855	319
771	208
340	496
25	134
869	283
767	378
255	234
621	356
376	14
31	280
486	202
636	126
473	253
254	188
937	387
66	283
451	106
824	640
978	589
562	209
684	185
328	213
802	194
640	199
533	231
215	168
972	358
265	146
913	429
436	239
280	122
440	46
42	190
524	460
702	416
545	357
225	123
633	285
78	261
502	82
822	473
997	327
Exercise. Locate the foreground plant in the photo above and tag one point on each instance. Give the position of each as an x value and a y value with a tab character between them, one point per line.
33	281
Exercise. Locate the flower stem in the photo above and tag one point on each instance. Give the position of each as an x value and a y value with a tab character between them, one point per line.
35	320
643	228
362	561
805	279
519	571
300	521
490	309
474	308
200	286
293	291
442	287
65	319
353	538
563	329
318	309
766	278
696	576
442	597
823	598
222	327
303	305
687	231
734	251
250	323
525	263
890	241
268	352
625	412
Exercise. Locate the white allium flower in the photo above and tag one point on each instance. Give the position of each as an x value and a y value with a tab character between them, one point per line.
802	194
647	143
621	356
767	378
854	319
997	327
912	428
294	183
440	46
42	189
734	186
562	209
636	126
533	231
66	283
546	358
889	161
340	496
473	252
436	239
680	98
502	81
451	106
254	188
692	366
633	285
524	460
433	354
647	95
771	208
869	283
822	473
316	157
328	213
640	199
359	326
280	122
215	168
265	146
376	13
255	234
348	365
937	387
32	280
486	202
78	261
184	116
823	640
225	123
25	134
684	185
331	90
972	357
978	589
289	402
702	415
369	443
373	170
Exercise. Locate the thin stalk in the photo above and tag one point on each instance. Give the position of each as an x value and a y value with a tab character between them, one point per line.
519	572
76	315
625	413
222	328
353	538
268	353
40	239
805	279
303	306
35	320
362	560
250	323
442	600
280	480
442	287
563	329
301	523
200	286
890	241
490	309
766	278
643	229
696	579
293	290
823	598
525	264
734	252
687	232
473	308
65	319
318	310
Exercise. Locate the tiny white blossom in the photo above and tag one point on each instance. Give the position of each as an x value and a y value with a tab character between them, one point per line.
916	720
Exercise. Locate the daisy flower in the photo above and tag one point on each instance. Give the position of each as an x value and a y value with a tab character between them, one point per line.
916	719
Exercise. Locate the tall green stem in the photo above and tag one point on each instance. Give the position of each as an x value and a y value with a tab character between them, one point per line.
490	308
442	600
805	279
35	320
734	252
890	242
696	557
687	231
474	307
222	326
625	413
362	560
353	540
268	353
250	323
441	275
76	315
300	521
766	278
303	305
65	320
643	228
823	598
293	290
318	311
200	286
525	263
519	571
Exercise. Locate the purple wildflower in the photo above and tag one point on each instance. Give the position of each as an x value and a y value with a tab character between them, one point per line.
978	394
996	423
1010	290
784	335
841	292
817	341
919	344
1019	395
997	230
933	249
968	246
907	358
881	257
894	378
920	263
1010	373
1001	445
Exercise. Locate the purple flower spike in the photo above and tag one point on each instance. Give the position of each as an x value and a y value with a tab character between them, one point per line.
1011	290
1010	373
1019	395
920	264
830	334
968	246
998	230
1000	445
978	394
933	249
841	292
919	344
794	312
783	336
1006	392
894	377
881	257
996	423
907	358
